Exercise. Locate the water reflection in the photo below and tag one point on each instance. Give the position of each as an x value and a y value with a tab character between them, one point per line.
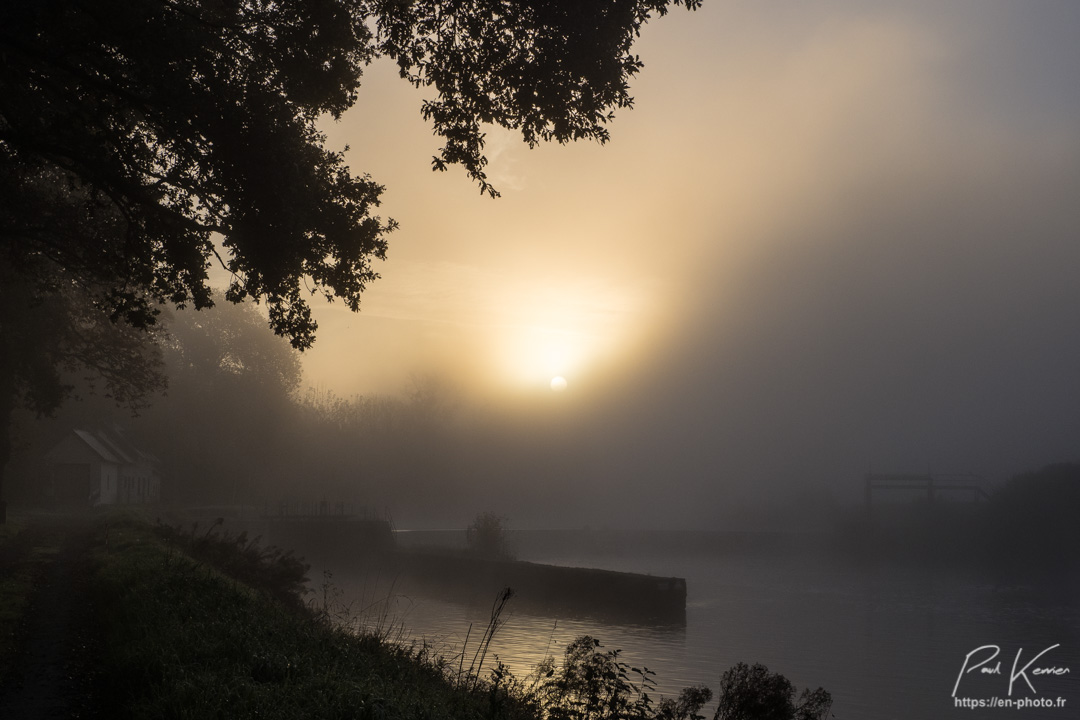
887	642
528	635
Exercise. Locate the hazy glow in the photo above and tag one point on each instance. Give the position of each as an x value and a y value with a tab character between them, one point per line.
492	331
828	236
544	331
558	383
532	354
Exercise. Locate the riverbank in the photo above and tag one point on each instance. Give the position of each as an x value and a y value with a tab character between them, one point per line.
119	618
171	635
350	546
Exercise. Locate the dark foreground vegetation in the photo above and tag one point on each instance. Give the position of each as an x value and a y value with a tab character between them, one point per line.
200	624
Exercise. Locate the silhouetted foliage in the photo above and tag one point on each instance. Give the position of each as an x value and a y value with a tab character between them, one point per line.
553	69
278	572
687	706
136	134
231	344
80	345
172	121
751	692
595	684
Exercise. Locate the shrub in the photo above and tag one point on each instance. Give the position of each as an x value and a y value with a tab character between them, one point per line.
487	537
593	684
753	693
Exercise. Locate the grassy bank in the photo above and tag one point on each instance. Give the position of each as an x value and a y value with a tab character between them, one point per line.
185	640
200	624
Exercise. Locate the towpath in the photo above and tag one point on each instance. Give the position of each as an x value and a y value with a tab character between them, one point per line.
51	673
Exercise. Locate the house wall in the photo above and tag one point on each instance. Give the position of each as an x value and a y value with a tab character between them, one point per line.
82	476
108	475
139	484
71	483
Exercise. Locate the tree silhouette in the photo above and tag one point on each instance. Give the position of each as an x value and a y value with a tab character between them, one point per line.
751	692
231	386
137	137
178	121
486	536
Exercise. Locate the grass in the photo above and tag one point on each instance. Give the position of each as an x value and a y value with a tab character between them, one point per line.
26	552
185	640
202	624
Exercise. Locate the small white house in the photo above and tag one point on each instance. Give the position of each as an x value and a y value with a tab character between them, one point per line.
101	468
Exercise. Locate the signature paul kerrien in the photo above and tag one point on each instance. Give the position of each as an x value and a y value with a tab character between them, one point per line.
993	651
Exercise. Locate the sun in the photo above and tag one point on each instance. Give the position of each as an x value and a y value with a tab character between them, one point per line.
558	383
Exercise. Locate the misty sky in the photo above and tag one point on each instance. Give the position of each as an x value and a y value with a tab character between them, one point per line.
829	237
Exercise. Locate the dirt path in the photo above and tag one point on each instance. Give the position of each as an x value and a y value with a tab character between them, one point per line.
54	675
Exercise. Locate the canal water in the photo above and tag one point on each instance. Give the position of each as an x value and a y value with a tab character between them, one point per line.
888	642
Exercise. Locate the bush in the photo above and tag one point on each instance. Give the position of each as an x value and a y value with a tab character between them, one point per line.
753	693
487	537
594	684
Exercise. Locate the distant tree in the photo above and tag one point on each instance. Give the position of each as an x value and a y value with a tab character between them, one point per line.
354	447
231	343
751	692
225	427
353	417
432	399
487	536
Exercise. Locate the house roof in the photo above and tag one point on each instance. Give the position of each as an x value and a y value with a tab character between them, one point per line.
118	448
109	445
102	448
118	440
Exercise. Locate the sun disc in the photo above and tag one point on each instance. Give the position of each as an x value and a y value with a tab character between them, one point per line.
558	383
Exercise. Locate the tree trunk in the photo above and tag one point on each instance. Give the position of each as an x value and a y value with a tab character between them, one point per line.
7	407
7	404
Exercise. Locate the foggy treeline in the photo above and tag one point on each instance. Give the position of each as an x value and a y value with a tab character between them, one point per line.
236	425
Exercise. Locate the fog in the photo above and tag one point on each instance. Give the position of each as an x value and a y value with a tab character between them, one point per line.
827	240
785	373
